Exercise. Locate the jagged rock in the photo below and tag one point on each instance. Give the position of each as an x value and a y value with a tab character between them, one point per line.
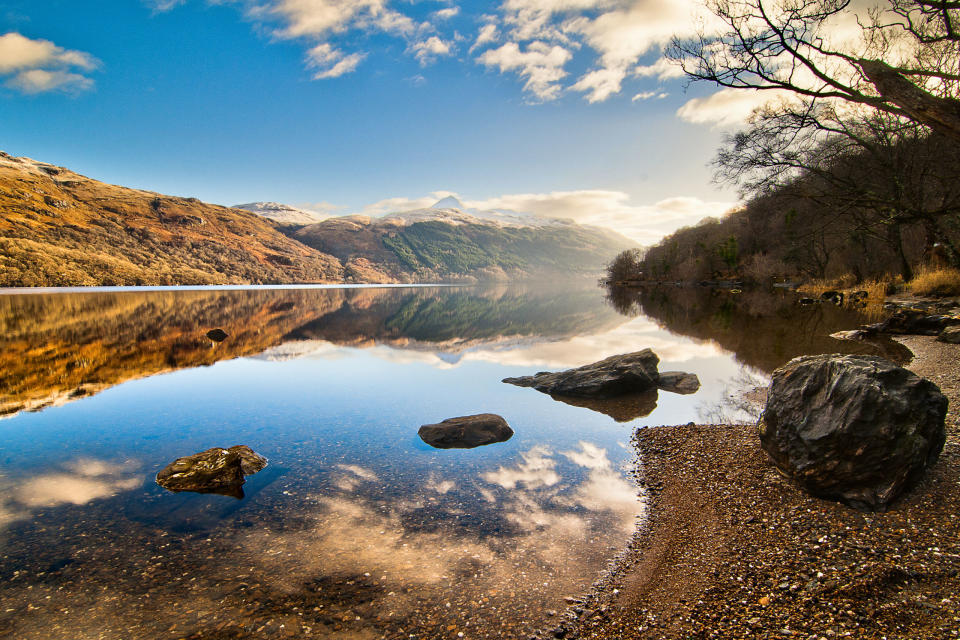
466	432
217	335
215	470
853	428
678	382
613	376
914	322
250	461
950	335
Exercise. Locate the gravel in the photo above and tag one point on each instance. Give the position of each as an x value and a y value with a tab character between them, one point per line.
731	549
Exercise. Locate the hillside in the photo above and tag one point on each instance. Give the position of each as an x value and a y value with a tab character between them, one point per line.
58	228
281	213
450	244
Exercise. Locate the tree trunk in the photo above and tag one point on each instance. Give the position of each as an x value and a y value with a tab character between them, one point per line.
895	238
940	114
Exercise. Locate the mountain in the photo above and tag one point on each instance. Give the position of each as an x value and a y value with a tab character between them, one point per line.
59	228
448	243
281	213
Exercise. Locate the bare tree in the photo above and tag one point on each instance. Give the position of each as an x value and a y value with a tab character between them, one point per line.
880	171
905	62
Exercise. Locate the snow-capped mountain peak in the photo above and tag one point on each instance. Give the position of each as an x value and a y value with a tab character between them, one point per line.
282	213
450	202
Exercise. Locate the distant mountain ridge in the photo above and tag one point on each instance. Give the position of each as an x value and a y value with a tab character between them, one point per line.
59	228
446	242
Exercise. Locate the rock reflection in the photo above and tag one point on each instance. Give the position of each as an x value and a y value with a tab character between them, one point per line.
622	408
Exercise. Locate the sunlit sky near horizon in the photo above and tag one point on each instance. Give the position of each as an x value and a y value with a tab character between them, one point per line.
370	106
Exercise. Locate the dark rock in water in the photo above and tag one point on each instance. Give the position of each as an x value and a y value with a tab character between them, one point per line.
215	470
622	408
217	335
250	461
466	432
679	382
853	428
950	335
616	375
913	322
806	301
836	297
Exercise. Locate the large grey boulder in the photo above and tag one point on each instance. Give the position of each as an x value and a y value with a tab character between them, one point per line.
613	376
215	470
853	428
466	432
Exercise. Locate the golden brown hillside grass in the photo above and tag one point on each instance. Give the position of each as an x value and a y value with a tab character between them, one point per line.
936	282
58	228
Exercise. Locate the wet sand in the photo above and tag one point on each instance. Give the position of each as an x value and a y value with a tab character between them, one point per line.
732	549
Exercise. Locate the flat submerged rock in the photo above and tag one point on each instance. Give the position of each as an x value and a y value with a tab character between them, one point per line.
215	470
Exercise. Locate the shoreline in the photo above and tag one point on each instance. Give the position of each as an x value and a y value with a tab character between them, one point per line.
730	548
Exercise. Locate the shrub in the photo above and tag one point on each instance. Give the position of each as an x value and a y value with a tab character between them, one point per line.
936	282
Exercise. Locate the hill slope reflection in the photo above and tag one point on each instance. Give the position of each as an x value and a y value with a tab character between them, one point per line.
764	330
58	347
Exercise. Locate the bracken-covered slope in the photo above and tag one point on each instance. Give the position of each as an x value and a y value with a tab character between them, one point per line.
58	228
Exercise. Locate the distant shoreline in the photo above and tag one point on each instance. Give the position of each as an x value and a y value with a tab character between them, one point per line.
731	549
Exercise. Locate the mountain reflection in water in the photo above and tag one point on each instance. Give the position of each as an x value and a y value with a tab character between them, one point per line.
357	528
58	347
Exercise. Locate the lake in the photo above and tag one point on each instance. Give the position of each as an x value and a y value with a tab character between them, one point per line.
356	528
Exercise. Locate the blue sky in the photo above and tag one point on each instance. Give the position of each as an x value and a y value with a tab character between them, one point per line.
556	107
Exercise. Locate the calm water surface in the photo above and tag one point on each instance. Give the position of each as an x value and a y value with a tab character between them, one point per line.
356	529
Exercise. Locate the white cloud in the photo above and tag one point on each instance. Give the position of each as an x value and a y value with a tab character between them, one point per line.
426	51
727	107
331	62
42	81
393	205
662	69
488	33
645	223
446	14
162	6
541	64
617	32
646	95
38	66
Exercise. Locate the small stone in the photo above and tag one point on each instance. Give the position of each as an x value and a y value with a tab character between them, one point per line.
217	335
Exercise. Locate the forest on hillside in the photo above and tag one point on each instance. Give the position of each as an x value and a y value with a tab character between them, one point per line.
856	173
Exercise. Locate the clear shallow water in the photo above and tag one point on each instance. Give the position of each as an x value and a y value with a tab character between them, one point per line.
356	529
